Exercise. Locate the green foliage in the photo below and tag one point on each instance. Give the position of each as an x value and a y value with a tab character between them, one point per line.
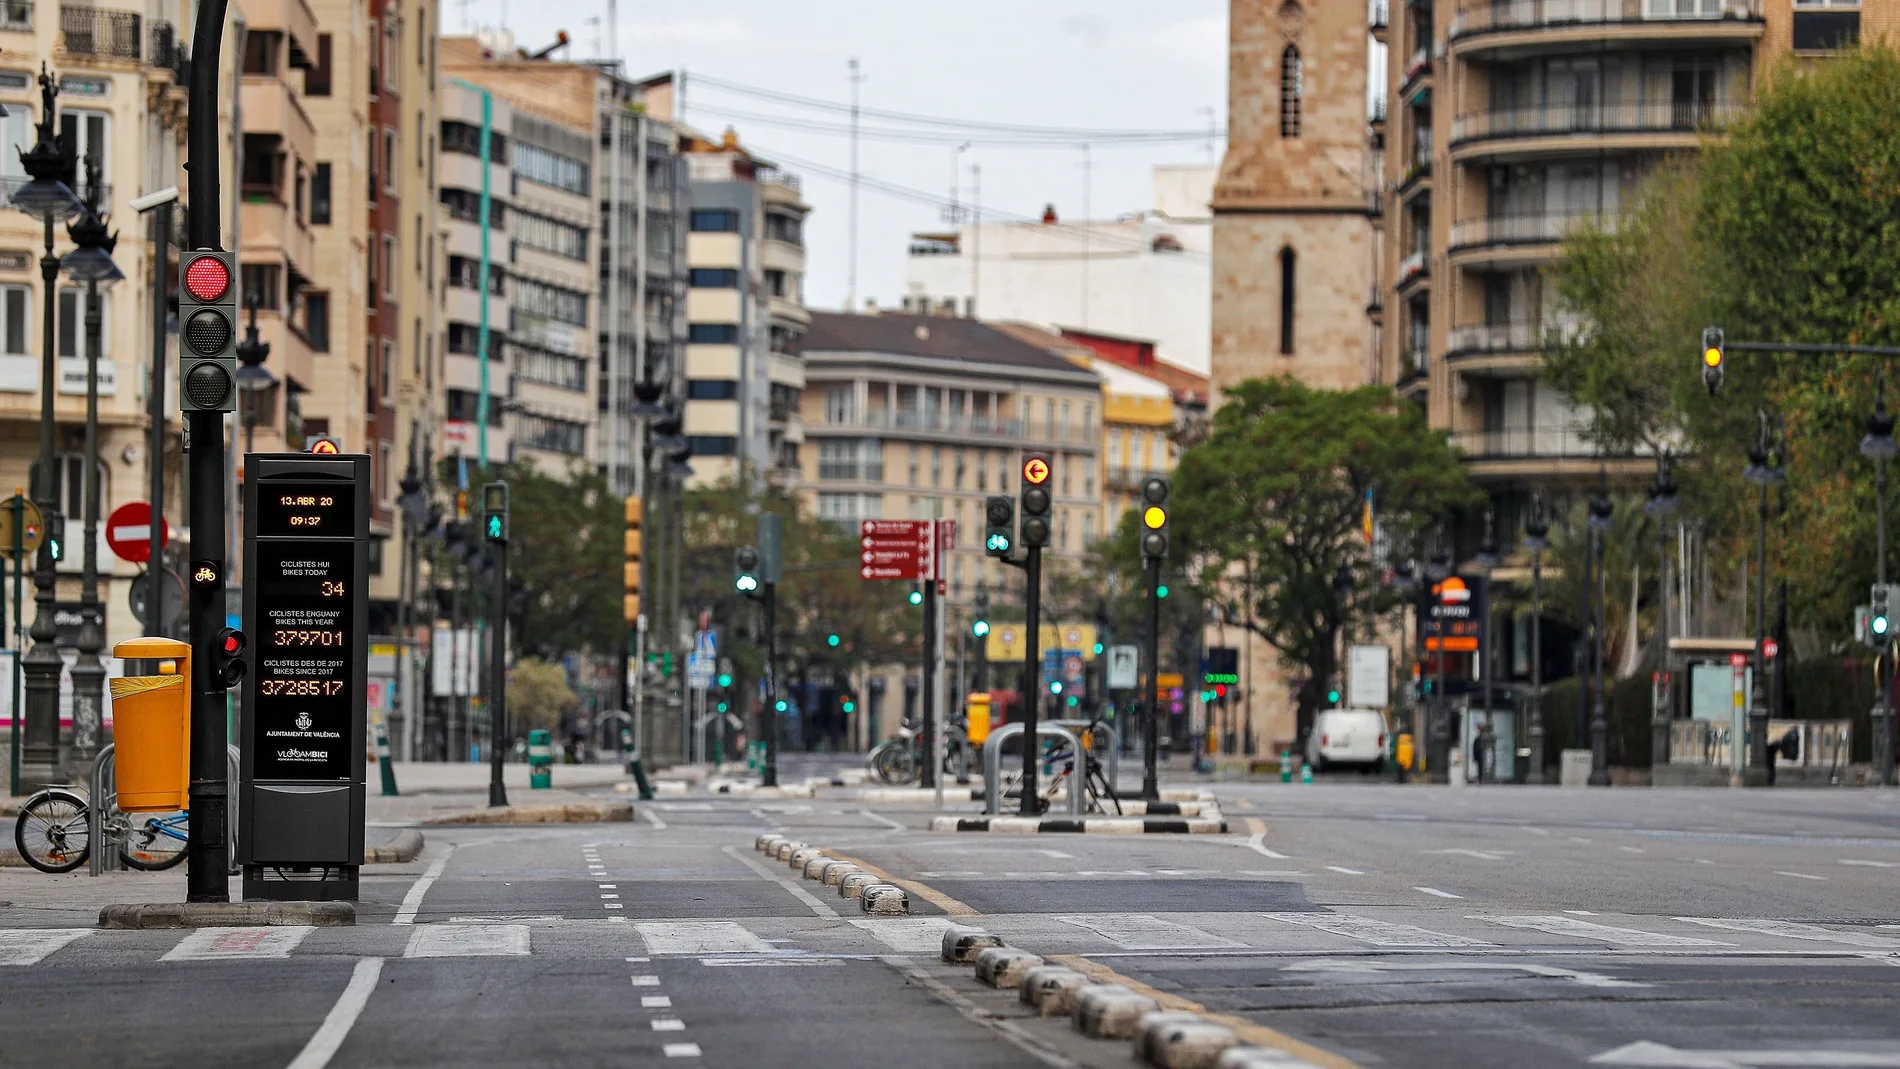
565	547
1269	509
538	695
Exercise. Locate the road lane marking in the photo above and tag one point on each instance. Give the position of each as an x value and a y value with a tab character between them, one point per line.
1794	930
1347	871
937	898
1580	912
29	946
646	981
336	1026
668	1024
1257	842
777	876
610	887
1604	933
214	944
680	1050
411	902
655	1002
1436	893
884	820
1799	875
1139	931
1481	855
1587	979
467	941
606	897
1376	932
1663	1055
700	937
1632	849
906	935
1871	864
613	905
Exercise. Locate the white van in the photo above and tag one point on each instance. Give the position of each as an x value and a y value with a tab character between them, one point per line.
1347	737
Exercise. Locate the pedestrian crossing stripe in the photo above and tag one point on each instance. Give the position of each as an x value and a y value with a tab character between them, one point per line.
1140	931
1604	933
217	944
467	941
906	935
1376	932
700	937
1794	930
29	946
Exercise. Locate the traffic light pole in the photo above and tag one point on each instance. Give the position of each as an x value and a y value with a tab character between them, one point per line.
1032	677
498	676
1150	730
207	875
929	691
770	598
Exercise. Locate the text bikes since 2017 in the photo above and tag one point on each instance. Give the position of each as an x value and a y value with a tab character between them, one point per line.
305	678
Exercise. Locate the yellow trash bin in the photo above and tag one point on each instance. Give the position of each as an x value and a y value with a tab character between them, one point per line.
1403	750
977	710
151	728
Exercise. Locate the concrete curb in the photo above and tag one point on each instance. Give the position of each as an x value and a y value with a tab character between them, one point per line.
783	849
1109	1011
834	872
227	914
404	847
1212	825
580	813
962	943
1004	967
815	867
796	859
1051	989
884	899
853	886
1177	1039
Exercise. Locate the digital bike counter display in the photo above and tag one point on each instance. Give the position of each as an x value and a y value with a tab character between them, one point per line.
305	682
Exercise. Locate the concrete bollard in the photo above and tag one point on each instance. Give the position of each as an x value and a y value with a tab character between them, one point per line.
1258	1058
1003	966
1178	1040
1051	989
853	886
884	899
1109	1011
834	873
797	858
962	943
815	867
766	842
784	849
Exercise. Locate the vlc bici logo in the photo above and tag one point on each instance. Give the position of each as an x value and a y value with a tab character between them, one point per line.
1452	591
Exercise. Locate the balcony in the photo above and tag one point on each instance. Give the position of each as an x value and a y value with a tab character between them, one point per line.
1514	238
1413	269
1529	131
881	419
100	32
1523	27
1417	69
1523	442
16	16
1123	477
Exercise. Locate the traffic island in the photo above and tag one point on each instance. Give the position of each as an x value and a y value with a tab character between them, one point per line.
228	915
1206	825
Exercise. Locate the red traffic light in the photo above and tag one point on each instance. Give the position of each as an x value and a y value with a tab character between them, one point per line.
231	641
207	278
1220	690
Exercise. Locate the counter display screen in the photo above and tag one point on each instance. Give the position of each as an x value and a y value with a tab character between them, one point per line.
304	681
315	507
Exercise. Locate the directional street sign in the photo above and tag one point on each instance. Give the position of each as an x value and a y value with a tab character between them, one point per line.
895	549
129	531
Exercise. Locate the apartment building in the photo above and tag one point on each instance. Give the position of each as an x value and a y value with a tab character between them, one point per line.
1146	275
922	417
746	319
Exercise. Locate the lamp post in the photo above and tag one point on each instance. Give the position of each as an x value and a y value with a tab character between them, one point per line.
1488	559
49	198
1662	504
1536	541
1601	514
1764	470
1438	728
1879	445
91	263
254	380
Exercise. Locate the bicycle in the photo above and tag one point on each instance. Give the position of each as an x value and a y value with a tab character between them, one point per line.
1098	795
898	759
53	833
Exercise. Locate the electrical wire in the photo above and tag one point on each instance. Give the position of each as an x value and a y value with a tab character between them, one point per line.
1151	137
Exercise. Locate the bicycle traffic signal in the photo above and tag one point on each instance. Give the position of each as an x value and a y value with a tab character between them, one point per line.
999	514
1154	518
208	309
1036	501
1712	357
630	581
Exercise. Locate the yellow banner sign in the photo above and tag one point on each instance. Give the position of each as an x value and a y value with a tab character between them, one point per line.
1007	640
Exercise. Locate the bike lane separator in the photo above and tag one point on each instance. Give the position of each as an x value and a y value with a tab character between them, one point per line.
411	902
335	1028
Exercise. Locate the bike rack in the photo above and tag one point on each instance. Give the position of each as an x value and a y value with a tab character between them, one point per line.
100	783
993	763
1113	751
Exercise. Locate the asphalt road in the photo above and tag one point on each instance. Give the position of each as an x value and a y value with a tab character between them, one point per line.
1387	926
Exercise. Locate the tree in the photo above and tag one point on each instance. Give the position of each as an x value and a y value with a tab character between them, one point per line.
538	695
1270	510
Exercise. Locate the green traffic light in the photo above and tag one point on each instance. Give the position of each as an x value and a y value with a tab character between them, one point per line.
725	679
916	597
494	526
1332	696
1880	625
782	705
831	640
1055	686
1161	591
997	543
980	628
58	552
1098	649
746	584
1074	701
722	707
850	707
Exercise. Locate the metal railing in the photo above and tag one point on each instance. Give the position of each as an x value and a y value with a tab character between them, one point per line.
1524	443
99	31
778	177
1418	66
16	16
1528	229
1512	337
934	423
1123	475
1548	120
1529	14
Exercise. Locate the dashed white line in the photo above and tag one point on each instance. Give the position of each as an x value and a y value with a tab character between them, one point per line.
1347	871
668	1024
1257	842
655	1002
1871	864
640	960
608	897
680	1050
647	814
411	902
823	909
884	820
330	1035
646	981
1632	849
1435	892
1798	875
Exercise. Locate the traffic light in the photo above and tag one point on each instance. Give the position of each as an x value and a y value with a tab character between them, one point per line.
208	309
782	705
1332	694
1154	518
630	583
1880	615
980	628
1036	501
495	512
745	567
56	536
1098	648
832	641
1161	590
1055	686
846	705
1712	358
999	514
916	594
725	680
230	666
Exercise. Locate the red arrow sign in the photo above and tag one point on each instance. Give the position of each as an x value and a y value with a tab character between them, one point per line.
129	531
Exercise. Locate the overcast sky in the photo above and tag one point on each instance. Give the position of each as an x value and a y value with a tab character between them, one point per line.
1099	64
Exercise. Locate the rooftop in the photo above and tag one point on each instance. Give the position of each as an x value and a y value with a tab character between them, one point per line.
965	341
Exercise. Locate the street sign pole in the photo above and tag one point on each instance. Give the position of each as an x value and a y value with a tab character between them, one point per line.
771	557
495	530
928	695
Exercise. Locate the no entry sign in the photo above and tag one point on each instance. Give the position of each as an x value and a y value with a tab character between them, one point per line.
129	531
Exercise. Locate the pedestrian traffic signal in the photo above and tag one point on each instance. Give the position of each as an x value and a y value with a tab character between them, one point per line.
1036	501
208	309
56	537
745	566
1332	694
846	705
999	514
1154	518
980	628
229	664
782	705
630	581
1712	358
1055	686
1098	648
916	594
495	512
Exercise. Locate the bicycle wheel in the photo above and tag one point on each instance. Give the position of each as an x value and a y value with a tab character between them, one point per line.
52	834
897	765
155	841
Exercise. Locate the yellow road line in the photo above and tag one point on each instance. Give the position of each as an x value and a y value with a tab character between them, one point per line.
929	894
1257	1034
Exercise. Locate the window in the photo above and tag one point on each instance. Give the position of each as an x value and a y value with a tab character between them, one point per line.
422	39
712	390
1291	85
72	327
389	265
550	368
548	168
317	79
1287	262
715	220
848	510
374	185
264	281
713	445
786	340
87	135
936	465
465	273
840	404
320	195
389	159
547	234
554	302
550	435
14	302
316	313
389	361
851	459
418	135
462	407
712	334
787	228
722	278
466	139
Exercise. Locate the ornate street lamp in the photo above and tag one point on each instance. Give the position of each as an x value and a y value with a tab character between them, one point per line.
49	198
1487	559
254	380
1438	729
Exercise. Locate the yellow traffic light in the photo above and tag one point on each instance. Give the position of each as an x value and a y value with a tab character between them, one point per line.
1154	517
1712	347
630	611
